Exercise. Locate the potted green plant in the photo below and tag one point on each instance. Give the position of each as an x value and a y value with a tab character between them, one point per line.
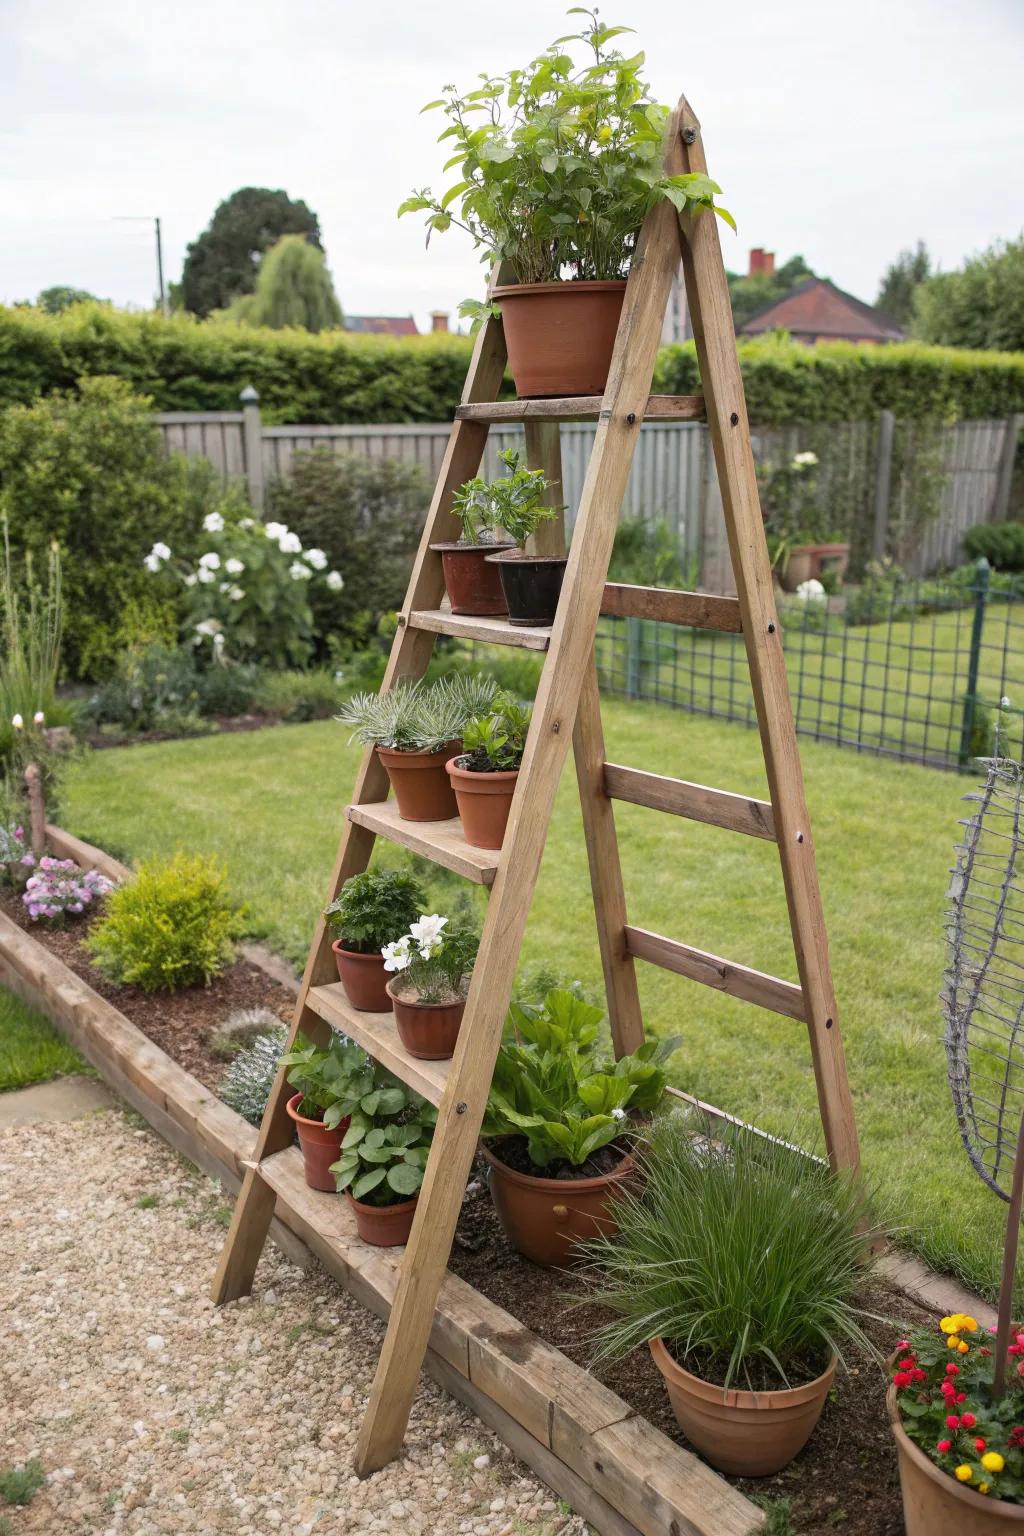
329	1085
739	1261
558	165
430	964
801	544
560	1122
484	777
474	585
370	910
531	584
383	1155
415	728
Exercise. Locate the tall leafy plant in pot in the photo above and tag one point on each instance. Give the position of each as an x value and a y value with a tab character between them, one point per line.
531	584
472	582
428	989
485	776
330	1083
383	1156
370	911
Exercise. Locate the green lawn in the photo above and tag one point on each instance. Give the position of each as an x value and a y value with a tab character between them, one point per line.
31	1051
271	805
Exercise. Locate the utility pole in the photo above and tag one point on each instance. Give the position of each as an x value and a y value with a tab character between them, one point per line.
135	218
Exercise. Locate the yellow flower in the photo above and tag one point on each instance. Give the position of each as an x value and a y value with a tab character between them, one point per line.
952	1342
963	1473
948	1325
963	1346
983	1487
968	1324
992	1461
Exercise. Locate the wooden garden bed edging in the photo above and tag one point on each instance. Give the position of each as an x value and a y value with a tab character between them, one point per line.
620	1473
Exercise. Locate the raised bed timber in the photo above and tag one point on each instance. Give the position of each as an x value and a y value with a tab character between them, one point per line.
615	1469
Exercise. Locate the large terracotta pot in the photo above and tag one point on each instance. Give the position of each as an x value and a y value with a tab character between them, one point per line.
749	1434
545	1218
473	586
560	336
422	788
807	561
364	979
385	1226
427	1030
320	1147
532	585
484	801
935	1504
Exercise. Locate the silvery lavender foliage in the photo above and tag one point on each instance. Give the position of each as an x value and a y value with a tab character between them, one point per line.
247	1082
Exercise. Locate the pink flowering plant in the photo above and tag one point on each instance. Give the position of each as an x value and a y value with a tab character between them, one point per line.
60	887
943	1381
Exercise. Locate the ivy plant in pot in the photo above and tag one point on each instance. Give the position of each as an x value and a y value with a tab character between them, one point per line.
556	165
383	1155
473	584
370	910
329	1085
431	964
415	728
531	583
560	1124
484	777
739	1262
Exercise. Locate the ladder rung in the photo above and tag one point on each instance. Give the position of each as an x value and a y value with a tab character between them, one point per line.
724	975
378	1034
698	610
494	631
737	813
441	841
580	408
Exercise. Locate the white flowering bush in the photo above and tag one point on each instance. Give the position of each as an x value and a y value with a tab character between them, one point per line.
60	887
432	959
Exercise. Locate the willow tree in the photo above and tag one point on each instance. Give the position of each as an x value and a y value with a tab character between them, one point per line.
293	287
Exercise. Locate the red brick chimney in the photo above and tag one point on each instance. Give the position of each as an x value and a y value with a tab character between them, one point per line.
439	320
762	262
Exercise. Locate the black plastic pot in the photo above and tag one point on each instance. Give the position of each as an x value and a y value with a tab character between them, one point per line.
531	584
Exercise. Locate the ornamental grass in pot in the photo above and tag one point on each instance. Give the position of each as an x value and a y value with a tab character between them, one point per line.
330	1084
430	965
738	1262
531	583
485	776
415	728
558	164
383	1155
370	911
560	1122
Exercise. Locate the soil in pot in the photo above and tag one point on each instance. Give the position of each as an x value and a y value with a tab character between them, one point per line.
427	1030
421	785
320	1147
545	1217
934	1503
484	801
532	585
560	336
473	586
363	977
385	1226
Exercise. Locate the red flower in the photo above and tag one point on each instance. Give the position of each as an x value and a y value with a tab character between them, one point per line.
984	1350
944	1446
903	1344
952	1422
1015	1349
980	1444
961	1397
902	1379
1020	1368
1017	1435
952	1370
968	1421
907	1364
918	1375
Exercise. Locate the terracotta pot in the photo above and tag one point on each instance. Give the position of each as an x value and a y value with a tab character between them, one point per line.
427	1030
934	1503
532	585
473	586
560	336
363	977
484	801
320	1147
385	1226
545	1218
807	561
422	788
749	1434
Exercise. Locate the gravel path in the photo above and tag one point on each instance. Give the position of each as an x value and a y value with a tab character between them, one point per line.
153	1412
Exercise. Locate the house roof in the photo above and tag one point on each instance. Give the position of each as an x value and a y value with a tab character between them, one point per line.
816	308
382	325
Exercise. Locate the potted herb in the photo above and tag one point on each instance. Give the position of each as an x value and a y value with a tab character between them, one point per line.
330	1084
473	585
415	728
485	776
739	1262
558	165
531	583
370	910
431	963
560	1124
383	1155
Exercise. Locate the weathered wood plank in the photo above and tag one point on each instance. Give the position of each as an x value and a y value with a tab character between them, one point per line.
581	408
378	1034
444	842
717	807
470	627
712	971
697	610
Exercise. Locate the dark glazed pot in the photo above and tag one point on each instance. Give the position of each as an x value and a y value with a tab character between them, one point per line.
473	586
560	336
532	585
364	979
422	788
427	1030
545	1218
385	1226
320	1147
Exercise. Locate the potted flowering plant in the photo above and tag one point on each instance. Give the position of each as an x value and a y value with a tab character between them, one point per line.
474	585
383	1155
560	1124
430	965
558	165
484	777
801	544
329	1085
370	910
530	584
416	728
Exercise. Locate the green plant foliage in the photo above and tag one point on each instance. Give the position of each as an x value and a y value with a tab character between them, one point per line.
297	696
900	282
152	688
385	1149
293	287
420	716
247	1081
495	742
19	1485
333	1082
170	926
1001	544
982	305
431	961
55	300
225	259
646	554
373	908
512	504
31	625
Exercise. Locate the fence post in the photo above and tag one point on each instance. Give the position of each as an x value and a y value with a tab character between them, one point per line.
252	437
1004	479
974	661
634	649
883	479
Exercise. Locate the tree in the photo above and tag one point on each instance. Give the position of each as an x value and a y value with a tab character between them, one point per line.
59	298
223	263
980	306
750	294
293	288
900	281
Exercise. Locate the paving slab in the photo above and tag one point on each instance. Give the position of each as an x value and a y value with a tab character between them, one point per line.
66	1098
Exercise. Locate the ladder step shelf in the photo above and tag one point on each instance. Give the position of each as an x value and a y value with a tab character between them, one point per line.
378	1034
441	621
697	802
580	408
443	842
740	981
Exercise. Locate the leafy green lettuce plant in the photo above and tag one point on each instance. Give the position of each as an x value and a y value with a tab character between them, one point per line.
385	1149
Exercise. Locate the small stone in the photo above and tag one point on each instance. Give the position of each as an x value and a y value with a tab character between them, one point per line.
155	1341
481	1462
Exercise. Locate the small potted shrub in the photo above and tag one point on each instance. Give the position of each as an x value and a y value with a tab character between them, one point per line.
560	1124
329	1085
485	776
472	583
415	728
802	545
558	166
383	1155
531	583
739	1262
370	910
428	990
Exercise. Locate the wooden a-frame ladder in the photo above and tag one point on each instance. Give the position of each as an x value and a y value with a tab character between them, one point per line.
567	707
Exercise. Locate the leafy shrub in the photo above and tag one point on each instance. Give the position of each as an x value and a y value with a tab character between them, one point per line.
1001	544
295	696
373	908
246	1084
646	554
229	690
170	926
19	1485
511	505
150	685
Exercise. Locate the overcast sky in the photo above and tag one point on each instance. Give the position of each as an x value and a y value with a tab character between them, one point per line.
843	130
